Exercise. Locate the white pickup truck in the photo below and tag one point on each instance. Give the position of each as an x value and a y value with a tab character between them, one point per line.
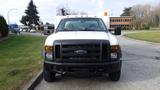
82	46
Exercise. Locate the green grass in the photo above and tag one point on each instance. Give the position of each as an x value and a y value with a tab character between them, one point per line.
146	36
20	60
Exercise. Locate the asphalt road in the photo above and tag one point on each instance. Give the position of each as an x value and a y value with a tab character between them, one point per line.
140	71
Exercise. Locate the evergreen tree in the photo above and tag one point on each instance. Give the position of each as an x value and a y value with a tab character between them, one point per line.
31	15
127	12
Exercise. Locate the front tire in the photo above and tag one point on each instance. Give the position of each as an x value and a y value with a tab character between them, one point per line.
115	76
48	75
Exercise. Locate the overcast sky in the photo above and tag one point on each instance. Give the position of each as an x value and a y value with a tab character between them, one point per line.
47	8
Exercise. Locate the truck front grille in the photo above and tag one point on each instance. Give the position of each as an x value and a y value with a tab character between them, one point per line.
81	52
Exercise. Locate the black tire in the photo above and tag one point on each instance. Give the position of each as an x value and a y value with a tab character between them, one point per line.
115	76
49	76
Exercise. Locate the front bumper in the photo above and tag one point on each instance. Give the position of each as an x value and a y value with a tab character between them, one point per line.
106	67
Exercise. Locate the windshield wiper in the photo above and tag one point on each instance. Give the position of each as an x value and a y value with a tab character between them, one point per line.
89	29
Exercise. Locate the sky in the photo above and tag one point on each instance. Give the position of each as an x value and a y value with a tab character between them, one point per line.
47	8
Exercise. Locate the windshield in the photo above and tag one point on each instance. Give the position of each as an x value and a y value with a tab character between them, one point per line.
81	24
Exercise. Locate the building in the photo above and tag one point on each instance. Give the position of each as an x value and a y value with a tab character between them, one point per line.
123	22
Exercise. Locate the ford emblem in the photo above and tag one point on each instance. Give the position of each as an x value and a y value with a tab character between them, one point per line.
80	52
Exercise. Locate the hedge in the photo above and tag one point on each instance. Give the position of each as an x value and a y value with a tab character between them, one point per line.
3	27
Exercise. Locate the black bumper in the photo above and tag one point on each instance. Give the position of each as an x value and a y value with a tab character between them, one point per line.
105	67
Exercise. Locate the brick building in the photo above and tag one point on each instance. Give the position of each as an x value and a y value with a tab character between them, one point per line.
123	22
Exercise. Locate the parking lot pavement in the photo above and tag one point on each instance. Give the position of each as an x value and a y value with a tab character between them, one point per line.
140	71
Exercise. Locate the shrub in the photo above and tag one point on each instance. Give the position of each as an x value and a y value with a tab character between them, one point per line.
145	27
3	27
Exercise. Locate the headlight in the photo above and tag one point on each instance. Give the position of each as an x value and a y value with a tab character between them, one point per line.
49	56
114	55
48	52
115	48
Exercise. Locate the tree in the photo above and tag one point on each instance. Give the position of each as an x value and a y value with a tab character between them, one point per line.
31	15
63	11
156	20
24	20
156	16
145	16
127	12
142	16
3	27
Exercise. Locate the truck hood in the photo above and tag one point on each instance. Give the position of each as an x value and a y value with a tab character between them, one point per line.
83	35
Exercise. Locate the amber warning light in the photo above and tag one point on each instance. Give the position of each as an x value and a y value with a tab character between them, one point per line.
105	14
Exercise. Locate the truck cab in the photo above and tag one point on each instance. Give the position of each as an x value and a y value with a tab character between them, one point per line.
82	45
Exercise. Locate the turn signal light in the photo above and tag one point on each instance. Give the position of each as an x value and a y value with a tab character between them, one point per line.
48	49
115	48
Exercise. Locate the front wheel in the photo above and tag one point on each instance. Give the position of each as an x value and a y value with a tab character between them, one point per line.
115	76
48	75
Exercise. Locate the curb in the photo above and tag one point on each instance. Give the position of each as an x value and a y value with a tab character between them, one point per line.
34	82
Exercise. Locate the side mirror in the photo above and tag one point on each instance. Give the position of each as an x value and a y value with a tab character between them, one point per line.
53	29
110	29
117	31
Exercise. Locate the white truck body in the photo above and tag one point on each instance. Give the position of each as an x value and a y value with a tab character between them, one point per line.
83	46
75	35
